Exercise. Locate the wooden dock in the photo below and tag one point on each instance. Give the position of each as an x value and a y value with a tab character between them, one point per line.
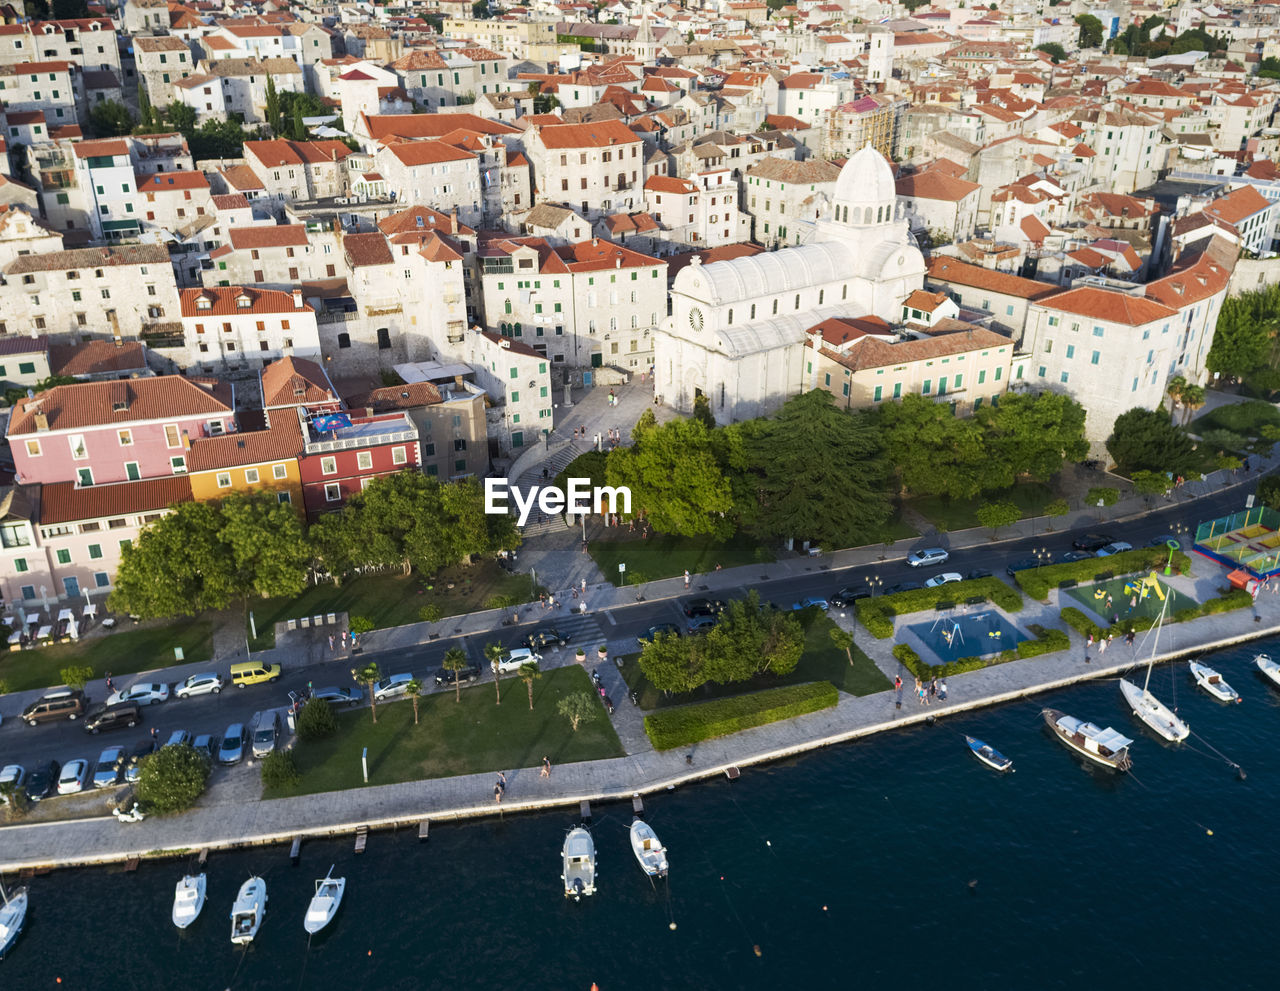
362	837
584	810
424	828
637	806
295	850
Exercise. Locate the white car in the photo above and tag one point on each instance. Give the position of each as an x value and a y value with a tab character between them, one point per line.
946	578
517	656
205	683
74	773
392	687
142	692
930	555
12	774
1114	548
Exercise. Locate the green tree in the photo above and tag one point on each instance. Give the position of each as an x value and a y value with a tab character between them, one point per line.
842	640
1055	509
146	113
15	801
529	673
914	5
1269	68
69	10
430	613
1032	435
1244	333
995	515
171	779
935	452
1090	31
1269	492
1053	50
1102	495
414	691
268	548
298	127
359	625
1143	438
480	10
111	119
280	770
179	566
578	708
702	411
1176	386
1193	398
316	720
76	676
272	108
368	676
492	652
673	664
455	660
1150	483
181	117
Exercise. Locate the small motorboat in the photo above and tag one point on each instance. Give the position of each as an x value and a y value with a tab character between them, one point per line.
651	854
1269	668
13	912
188	900
989	755
579	864
1212	682
1102	746
324	903
247	912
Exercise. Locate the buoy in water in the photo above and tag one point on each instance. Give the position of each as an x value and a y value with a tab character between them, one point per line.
767	843
757	950
672	926
1208	832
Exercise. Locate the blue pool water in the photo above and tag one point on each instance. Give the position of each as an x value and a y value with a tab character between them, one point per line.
968	635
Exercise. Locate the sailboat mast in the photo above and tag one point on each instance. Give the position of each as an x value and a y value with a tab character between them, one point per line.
1154	644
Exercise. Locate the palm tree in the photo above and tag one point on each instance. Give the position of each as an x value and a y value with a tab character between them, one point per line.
528	672
455	660
1177	385
843	640
1192	400
369	675
493	651
413	690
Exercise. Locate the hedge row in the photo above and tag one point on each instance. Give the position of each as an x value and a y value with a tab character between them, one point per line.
1037	582
1236	598
682	725
876	612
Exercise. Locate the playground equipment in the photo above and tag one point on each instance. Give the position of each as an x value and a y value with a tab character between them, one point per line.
1141	587
948	635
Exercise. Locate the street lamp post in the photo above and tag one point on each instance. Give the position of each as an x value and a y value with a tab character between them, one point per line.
875	582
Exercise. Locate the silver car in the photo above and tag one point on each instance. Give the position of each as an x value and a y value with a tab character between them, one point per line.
108	770
930	555
392	687
232	749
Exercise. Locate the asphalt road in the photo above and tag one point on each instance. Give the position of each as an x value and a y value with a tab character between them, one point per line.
67	740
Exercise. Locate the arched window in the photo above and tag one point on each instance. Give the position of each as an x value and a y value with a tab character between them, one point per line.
797	301
880	215
822	293
731	314
508	307
866	215
844	291
775	307
753	311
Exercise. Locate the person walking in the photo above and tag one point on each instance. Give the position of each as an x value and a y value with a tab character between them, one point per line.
546	767
942	690
686	577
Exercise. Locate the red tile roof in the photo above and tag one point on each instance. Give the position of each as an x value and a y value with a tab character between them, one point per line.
944	269
936	185
295	382
224	301
97	357
415	153
281	440
268	236
1237	205
65	502
92	404
1109	305
167	181
600	134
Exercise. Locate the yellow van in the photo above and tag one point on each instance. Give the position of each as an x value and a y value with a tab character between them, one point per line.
253	673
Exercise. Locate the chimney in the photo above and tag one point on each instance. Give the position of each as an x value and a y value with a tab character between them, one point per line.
617	261
297	299
42	421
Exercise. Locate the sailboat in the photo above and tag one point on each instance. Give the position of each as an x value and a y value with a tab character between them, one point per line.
324	903
12	914
248	910
1158	716
188	900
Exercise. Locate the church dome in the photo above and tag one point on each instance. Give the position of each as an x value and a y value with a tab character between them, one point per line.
866	187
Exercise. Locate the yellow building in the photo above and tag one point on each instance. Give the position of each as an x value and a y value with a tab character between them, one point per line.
250	460
862	362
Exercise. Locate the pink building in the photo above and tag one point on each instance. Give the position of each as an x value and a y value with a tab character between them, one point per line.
92	433
339	463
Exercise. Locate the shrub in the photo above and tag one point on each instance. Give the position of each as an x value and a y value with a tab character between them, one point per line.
279	770
1037	582
907	657
1081	623
14	800
1237	598
171	779
1046	643
429	614
359	624
316	720
682	725
872	616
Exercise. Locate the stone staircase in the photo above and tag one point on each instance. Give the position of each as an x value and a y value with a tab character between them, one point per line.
540	522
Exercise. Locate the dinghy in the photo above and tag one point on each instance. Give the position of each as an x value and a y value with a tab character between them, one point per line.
1212	682
989	755
651	854
188	900
324	903
247	912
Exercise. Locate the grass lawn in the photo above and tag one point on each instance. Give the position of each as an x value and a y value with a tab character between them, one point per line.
120	652
1240	418
1150	606
899	529
393	599
465	737
958	514
821	661
665	556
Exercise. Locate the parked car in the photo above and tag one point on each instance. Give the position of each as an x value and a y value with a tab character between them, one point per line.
74	774
110	767
1116	547
63	703
206	744
545	636
1072	556
850	594
1022	564
231	751
253	673
808	603
339	696
205	683
1092	541
265	732
903	587
142	692
177	738
657	628
703	607
108	717
946	578
975	575
1164	540
391	687
930	555
699	623
465	675
42	780
133	767
517	656
11	774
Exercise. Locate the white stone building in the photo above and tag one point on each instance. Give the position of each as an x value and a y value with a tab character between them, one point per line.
596	168
239	326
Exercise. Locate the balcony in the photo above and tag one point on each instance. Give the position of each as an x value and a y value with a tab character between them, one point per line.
363	432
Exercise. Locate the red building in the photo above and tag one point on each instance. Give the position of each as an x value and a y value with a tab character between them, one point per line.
337	463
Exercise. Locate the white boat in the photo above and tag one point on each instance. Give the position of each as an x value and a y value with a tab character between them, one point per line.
1213	683
247	912
12	914
1102	746
579	864
1158	716
1269	668
188	900
651	854
324	903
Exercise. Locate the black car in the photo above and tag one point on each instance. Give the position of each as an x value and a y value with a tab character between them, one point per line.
848	595
1164	540
465	675
546	636
1092	541
903	587
975	575
654	630
703	607
1024	564
43	780
107	717
1071	556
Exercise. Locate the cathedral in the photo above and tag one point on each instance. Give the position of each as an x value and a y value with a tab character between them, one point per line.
737	328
